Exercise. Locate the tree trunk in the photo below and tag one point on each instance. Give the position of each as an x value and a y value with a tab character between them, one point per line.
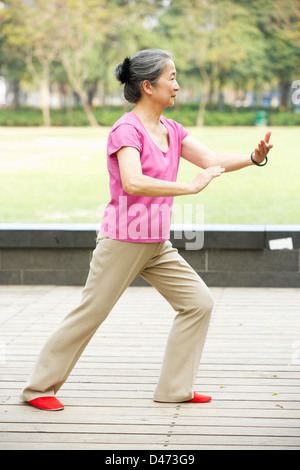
92	91
88	111
15	88
204	97
221	96
45	101
77	82
285	88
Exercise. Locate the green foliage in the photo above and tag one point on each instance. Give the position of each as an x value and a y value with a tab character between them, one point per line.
219	43
284	119
185	114
25	116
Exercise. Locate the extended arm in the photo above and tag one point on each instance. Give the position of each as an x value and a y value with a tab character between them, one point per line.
136	183
200	155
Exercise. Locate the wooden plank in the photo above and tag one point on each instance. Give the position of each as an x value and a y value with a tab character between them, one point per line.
99	403
16	412
138	394
18	381
82	446
178	432
178	440
181	425
213	373
139	385
242	440
66	438
91	428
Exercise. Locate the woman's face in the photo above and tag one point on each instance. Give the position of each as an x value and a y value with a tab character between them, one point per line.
164	92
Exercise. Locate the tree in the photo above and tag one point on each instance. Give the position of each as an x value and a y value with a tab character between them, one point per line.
78	25
10	67
131	27
90	35
279	23
31	37
285	18
284	21
208	37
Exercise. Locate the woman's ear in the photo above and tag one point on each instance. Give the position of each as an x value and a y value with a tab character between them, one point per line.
147	87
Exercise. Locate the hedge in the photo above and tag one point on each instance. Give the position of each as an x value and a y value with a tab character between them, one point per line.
185	114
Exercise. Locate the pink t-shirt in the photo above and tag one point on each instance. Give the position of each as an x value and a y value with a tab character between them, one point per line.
134	218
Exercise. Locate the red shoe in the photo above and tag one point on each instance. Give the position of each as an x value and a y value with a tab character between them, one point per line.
197	399
46	403
200	398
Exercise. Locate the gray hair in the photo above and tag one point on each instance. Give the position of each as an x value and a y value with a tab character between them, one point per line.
148	64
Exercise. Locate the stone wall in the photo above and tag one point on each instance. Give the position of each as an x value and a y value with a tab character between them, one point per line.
232	255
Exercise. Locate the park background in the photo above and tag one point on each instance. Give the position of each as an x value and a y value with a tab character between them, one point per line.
238	65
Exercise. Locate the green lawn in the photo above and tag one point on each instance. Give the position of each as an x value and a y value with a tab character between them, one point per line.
60	175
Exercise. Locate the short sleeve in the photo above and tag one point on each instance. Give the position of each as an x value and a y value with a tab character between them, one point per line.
179	132
125	135
183	133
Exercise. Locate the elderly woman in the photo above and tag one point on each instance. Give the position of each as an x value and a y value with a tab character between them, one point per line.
143	153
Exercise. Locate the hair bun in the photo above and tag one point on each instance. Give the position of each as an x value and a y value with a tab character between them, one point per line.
123	71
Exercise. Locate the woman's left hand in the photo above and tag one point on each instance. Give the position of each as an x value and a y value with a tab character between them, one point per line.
262	149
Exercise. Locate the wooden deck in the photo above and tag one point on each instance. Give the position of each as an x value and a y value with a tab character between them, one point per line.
251	366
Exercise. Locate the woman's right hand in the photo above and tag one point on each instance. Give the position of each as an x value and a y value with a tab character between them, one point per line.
205	177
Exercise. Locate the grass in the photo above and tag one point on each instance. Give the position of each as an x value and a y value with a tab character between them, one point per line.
60	175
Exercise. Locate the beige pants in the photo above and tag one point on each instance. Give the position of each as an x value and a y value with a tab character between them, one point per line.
115	264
